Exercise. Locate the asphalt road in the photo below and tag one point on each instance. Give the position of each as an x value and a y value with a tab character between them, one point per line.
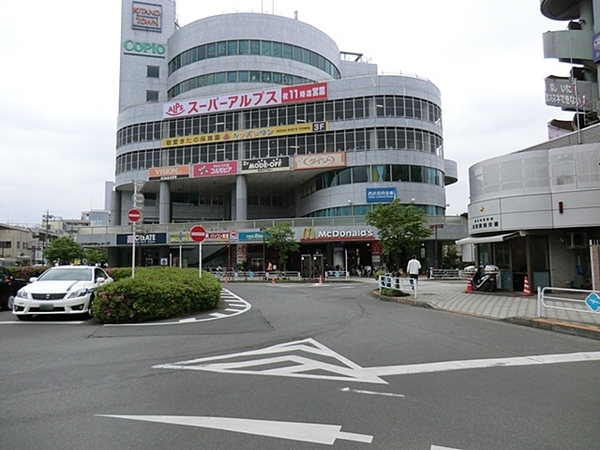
306	367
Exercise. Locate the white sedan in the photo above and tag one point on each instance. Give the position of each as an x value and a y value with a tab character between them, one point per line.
60	290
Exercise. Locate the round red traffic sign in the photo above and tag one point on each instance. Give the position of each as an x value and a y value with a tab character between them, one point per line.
134	215
197	233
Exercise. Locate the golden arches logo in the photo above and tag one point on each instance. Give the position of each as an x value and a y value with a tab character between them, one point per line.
309	233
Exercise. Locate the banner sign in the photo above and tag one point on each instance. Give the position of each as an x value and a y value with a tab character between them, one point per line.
271	97
168	173
219	169
146	17
568	94
142	239
320	161
255	133
381	195
266	165
596	47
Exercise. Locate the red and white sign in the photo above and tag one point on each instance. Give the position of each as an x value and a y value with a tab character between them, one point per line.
134	215
275	96
214	169
197	233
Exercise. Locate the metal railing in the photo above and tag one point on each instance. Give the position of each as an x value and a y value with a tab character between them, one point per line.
567	299
224	226
398	284
446	274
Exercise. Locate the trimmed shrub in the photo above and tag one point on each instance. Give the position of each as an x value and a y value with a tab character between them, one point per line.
388	292
155	293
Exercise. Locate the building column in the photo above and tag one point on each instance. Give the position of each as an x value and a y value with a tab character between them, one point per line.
164	202
241	198
116	208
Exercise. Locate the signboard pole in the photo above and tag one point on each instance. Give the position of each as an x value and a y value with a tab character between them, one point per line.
200	259
133	252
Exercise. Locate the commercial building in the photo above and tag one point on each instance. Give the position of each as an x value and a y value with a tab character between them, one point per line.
240	121
536	212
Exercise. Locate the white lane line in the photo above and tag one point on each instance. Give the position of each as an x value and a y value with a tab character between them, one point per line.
446	366
437	447
384	394
294	359
296	431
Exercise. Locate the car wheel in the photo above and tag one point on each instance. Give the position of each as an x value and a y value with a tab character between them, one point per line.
24	316
10	302
90	313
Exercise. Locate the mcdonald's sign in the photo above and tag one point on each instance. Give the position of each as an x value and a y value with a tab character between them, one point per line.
309	234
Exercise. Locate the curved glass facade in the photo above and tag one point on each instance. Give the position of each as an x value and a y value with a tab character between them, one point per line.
253	47
236	76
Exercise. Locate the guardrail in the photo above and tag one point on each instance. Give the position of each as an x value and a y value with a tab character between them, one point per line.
567	299
446	274
398	283
337	274
224	275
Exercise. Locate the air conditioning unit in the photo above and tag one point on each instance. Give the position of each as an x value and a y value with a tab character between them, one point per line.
576	240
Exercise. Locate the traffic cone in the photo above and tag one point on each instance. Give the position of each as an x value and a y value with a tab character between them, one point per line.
320	279
273	280
469	285
526	289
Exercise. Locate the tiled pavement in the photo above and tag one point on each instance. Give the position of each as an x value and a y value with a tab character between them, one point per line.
514	307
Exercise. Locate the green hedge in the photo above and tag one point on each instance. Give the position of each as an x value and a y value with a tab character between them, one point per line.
26	272
155	293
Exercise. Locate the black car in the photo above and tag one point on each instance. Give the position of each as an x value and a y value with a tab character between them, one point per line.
9	285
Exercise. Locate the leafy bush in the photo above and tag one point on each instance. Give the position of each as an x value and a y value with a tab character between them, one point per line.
26	272
379	272
155	293
388	292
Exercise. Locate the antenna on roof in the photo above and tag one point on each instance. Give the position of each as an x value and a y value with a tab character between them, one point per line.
296	15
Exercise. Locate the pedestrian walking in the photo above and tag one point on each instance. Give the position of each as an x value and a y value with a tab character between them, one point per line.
413	267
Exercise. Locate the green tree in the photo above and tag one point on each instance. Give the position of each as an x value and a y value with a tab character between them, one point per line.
281	239
95	256
63	250
451	258
400	228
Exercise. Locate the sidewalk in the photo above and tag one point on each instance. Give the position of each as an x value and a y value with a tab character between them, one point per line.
511	307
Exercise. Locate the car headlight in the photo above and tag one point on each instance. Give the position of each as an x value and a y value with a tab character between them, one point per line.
78	293
22	294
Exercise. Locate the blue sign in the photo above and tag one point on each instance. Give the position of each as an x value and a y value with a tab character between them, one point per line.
252	236
381	195
593	302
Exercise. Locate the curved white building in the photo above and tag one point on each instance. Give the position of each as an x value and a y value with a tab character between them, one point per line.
248	117
535	212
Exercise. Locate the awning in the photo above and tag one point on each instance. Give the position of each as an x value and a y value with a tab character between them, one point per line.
487	239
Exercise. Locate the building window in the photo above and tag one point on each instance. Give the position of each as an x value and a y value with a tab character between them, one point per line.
153	71
151	96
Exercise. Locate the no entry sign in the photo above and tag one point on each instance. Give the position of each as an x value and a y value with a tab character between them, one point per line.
134	215
197	233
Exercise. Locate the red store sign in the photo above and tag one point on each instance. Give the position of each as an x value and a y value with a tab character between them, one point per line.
214	169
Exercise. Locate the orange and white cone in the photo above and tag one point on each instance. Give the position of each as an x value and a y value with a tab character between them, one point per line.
526	288
469	285
273	280
320	279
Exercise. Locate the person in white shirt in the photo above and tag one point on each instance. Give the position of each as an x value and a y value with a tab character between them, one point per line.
413	268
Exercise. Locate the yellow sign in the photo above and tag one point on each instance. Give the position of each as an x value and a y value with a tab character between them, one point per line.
255	133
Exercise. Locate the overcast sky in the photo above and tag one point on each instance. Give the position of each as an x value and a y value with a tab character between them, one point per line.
60	68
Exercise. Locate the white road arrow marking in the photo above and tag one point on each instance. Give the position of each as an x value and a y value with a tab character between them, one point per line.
287	360
296	431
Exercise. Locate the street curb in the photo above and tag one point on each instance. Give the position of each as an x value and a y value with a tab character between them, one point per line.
557	326
407	300
542	324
